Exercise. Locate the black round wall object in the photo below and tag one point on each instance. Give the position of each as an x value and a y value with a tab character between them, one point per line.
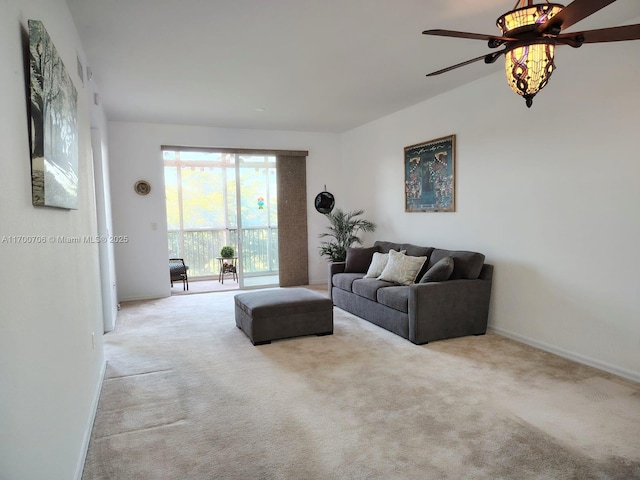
325	202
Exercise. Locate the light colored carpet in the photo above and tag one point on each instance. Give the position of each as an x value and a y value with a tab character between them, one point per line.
187	396
204	286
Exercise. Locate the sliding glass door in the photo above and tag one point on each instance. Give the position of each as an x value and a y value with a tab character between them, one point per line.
216	199
258	220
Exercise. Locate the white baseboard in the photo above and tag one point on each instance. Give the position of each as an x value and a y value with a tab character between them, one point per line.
621	372
90	422
138	299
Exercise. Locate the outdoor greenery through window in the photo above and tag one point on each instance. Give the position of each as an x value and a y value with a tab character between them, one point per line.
203	194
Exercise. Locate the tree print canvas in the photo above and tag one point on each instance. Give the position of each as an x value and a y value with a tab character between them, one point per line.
54	127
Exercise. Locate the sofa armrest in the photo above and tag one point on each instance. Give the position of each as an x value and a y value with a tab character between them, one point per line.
334	267
448	309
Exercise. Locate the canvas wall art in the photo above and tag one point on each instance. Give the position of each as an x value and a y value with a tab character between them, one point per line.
429	176
54	127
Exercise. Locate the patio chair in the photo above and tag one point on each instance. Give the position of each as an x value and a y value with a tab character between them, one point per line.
178	272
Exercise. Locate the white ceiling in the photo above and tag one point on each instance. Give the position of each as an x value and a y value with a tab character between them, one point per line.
306	65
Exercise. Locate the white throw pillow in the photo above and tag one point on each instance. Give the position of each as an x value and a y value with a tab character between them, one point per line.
378	262
377	265
402	269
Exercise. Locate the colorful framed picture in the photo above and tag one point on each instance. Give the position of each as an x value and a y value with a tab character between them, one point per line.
430	176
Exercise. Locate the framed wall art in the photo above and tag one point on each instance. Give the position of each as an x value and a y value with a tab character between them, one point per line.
430	176
54	125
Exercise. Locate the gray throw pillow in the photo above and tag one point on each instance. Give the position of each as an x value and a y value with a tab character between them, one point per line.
359	259
439	272
467	264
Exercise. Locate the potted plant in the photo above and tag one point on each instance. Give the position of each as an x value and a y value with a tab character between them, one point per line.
344	230
227	251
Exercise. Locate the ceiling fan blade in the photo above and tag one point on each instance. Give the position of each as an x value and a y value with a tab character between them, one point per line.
613	34
490	58
472	36
573	13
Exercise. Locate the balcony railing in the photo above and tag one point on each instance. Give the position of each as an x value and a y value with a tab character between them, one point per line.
201	247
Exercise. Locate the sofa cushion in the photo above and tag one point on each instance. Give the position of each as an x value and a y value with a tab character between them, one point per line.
378	262
465	264
440	271
359	259
384	247
409	249
344	281
368	287
416	251
402	269
395	297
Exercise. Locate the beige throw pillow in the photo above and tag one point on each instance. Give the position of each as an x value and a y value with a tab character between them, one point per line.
402	269
378	262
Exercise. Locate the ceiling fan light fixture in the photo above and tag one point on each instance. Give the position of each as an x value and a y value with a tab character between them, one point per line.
528	69
530	33
529	65
527	17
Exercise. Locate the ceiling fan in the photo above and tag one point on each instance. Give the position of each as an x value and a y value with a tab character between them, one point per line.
530	33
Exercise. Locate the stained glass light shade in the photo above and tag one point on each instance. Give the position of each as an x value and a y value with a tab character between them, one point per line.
529	66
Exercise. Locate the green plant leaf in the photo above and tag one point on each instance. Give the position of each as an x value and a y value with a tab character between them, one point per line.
344	229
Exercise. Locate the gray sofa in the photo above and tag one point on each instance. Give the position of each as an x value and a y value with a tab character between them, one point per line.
419	312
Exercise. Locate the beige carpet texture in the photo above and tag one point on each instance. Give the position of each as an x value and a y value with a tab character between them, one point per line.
187	396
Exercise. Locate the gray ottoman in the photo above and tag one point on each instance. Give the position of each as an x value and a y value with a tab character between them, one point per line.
267	315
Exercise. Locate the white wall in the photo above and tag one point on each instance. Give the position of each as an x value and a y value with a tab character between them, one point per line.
105	223
134	148
50	301
549	194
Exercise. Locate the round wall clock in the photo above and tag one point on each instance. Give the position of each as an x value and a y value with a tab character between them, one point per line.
142	187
